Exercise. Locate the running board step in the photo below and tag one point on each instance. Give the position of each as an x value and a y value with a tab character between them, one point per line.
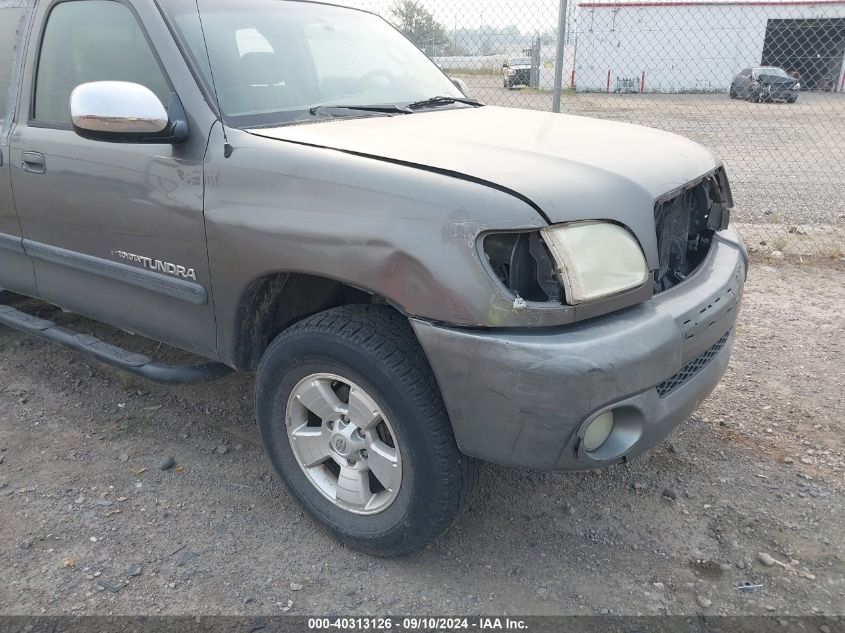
111	354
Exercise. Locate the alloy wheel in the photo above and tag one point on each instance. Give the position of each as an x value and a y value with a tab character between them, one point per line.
344	443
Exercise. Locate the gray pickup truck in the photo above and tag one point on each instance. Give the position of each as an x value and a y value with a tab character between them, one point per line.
294	189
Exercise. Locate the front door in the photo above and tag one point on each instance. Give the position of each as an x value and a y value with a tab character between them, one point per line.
15	268
115	230
743	83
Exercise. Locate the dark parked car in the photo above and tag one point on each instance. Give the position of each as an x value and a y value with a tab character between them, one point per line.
765	83
516	72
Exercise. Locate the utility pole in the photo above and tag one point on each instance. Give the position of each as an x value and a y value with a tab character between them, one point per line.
561	41
534	77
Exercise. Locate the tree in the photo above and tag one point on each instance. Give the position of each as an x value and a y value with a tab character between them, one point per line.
418	25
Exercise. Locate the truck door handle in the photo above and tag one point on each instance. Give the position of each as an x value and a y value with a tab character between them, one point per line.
33	162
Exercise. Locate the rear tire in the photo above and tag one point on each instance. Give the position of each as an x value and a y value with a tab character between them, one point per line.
371	350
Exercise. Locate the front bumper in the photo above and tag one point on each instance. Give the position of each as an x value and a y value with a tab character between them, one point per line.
522	396
776	93
520	77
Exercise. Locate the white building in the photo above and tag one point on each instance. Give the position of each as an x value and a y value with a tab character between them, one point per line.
698	46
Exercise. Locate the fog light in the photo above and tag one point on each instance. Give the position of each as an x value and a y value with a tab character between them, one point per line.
598	431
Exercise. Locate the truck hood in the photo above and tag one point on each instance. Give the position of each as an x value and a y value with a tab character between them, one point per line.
775	80
567	167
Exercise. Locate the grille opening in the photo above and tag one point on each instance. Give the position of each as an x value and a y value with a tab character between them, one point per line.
685	223
689	371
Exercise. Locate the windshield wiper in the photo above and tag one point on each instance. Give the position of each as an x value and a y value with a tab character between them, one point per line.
438	101
384	109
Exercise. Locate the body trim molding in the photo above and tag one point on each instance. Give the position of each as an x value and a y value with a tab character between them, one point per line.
180	289
11	243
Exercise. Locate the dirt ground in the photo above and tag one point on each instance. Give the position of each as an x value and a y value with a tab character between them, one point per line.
749	490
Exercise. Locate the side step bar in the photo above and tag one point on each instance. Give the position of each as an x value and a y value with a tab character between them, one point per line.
111	354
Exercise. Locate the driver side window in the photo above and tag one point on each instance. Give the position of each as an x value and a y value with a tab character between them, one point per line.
92	40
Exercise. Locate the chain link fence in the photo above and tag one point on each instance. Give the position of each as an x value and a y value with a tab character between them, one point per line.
762	83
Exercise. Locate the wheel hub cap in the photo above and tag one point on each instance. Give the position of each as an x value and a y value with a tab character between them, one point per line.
346	442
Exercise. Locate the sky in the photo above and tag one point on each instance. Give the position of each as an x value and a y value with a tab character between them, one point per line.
527	15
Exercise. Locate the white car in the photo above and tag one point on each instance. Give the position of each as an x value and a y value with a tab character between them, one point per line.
516	72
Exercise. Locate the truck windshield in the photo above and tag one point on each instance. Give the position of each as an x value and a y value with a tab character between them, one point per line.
280	61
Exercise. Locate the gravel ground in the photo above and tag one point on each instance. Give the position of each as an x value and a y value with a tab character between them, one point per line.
786	162
750	489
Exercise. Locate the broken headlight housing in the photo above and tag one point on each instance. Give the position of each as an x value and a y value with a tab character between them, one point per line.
574	263
523	264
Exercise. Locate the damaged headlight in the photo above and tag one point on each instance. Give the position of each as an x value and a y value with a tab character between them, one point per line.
572	263
595	259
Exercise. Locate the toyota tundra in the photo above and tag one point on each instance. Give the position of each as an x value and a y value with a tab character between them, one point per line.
293	189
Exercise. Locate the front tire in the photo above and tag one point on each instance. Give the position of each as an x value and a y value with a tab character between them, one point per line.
352	418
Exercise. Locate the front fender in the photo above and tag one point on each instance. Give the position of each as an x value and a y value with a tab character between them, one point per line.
406	234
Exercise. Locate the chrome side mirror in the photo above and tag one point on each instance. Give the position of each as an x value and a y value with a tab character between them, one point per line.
123	112
461	85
